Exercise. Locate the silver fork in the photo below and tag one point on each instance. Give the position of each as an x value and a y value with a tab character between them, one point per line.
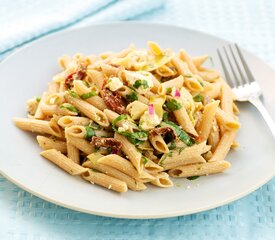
242	81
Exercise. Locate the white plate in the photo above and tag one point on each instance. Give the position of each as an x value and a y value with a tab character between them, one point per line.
26	73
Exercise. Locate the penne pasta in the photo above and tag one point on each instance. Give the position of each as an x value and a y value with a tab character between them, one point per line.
39	126
50	143
88	110
223	146
199	169
162	180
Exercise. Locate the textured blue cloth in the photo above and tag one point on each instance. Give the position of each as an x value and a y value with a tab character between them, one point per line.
248	22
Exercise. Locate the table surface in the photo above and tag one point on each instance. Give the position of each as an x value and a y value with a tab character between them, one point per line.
251	24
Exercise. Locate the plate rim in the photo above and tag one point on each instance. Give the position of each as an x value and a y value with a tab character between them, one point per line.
132	216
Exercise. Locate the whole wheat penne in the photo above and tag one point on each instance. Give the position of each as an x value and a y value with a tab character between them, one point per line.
50	143
63	162
199	169
223	146
38	126
162	180
88	110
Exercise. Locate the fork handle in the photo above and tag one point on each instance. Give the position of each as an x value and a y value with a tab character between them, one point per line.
259	105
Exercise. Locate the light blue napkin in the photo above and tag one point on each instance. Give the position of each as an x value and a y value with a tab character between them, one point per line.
22	21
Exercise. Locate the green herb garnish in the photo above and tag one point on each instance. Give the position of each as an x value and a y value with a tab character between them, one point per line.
139	83
170	154
118	119
86	83
193	178
70	108
89	133
94	126
136	137
201	83
165	116
145	160
172	145
38	99
180	149
188	76
73	94
198	98
182	135
88	95
133	137
132	97
173	105
168	90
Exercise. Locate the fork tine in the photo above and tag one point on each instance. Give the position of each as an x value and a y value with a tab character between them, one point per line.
227	76
246	68
237	65
232	69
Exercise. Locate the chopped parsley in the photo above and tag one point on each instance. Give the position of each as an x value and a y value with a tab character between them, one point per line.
86	83
168	90
144	160
182	135
38	99
94	126
165	116
133	137
73	94
172	145
89	133
193	178
173	105
198	98
201	83
70	108
88	95
180	149
118	119
188	76
139	83
132	97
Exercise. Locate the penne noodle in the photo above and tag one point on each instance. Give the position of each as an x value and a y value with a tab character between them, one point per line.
176	82
38	126
223	146
226	120
50	143
39	114
184	121
68	121
110	171
131	152
89	110
200	60
186	58
63	162
226	99
162	180
81	144
206	122
199	169
105	181
97	101
184	156
73	153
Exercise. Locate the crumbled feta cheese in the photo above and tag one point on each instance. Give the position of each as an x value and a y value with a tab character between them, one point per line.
148	121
